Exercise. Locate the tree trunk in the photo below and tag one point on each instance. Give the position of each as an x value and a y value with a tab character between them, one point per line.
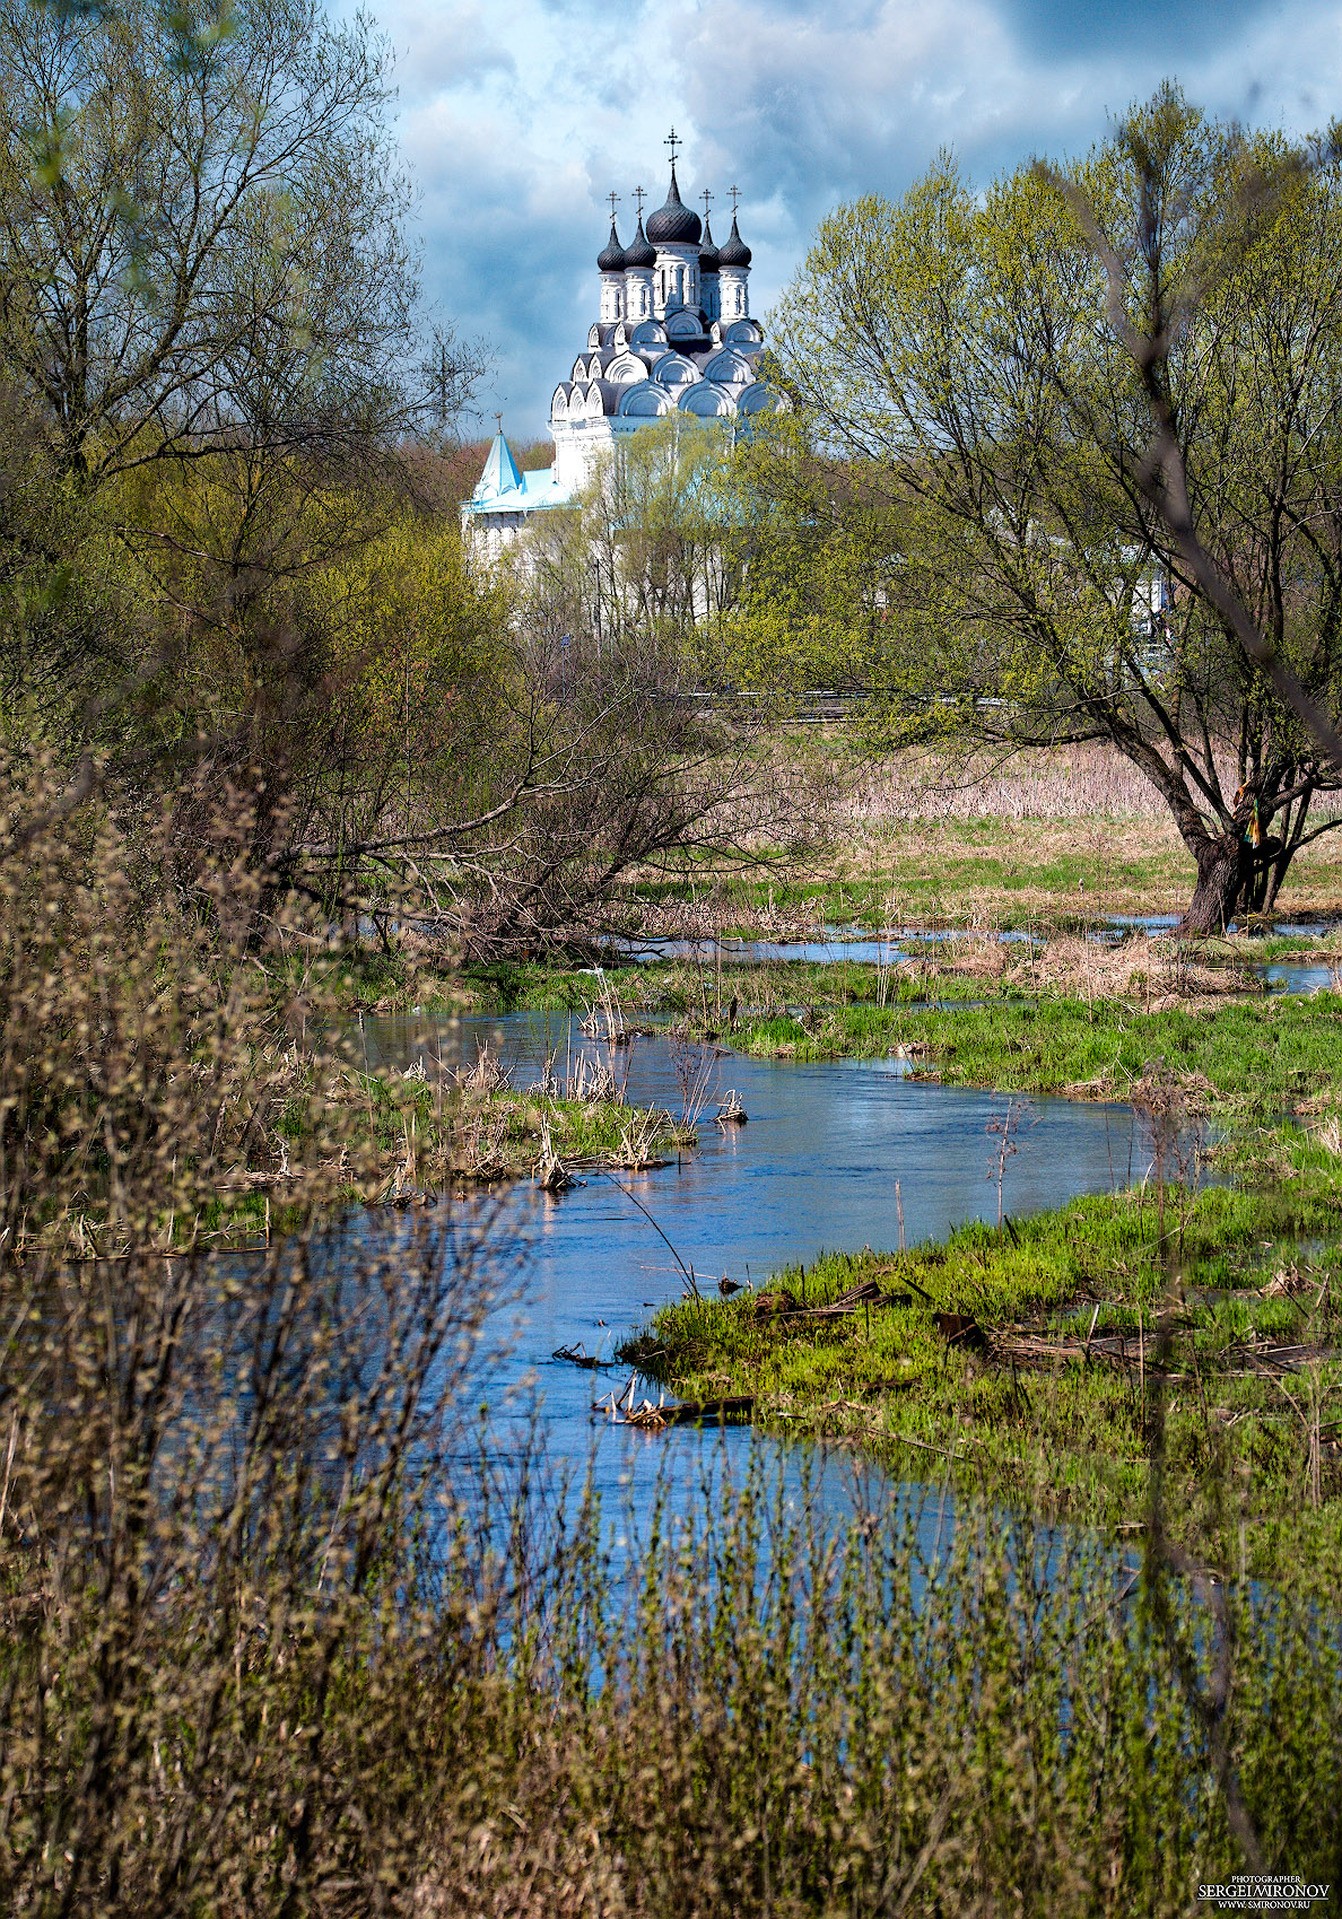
1223	863
1267	869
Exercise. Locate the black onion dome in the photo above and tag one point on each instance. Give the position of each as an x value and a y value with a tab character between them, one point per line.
675	221
708	253
638	253
611	258
735	252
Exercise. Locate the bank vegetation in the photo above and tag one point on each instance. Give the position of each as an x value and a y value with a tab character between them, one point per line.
285	1628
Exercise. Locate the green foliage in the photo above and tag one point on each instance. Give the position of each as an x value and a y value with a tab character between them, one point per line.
818	544
202	225
952	348
646	556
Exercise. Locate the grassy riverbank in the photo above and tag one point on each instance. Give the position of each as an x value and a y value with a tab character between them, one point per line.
1252	1059
369	982
1024	1359
918	965
294	1624
995	871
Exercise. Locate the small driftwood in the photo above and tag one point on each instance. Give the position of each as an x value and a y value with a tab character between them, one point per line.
579	1356
1130	1351
960	1329
784	1307
695	1412
1281	1359
621	1410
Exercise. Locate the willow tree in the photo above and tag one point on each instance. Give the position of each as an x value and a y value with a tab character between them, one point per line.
815	542
202	229
649	551
973	354
210	353
205	268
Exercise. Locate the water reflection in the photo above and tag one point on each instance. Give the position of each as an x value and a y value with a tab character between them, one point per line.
814	1169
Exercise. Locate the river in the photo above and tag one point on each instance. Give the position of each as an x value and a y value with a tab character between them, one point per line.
814	1168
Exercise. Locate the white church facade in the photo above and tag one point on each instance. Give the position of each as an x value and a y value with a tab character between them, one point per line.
674	336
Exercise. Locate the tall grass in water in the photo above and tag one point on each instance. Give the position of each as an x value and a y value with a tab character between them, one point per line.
785	1720
281	1636
215	1466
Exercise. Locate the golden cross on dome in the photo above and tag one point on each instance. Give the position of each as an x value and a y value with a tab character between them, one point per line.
674	141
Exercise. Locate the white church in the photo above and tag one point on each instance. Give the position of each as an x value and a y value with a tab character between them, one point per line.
674	336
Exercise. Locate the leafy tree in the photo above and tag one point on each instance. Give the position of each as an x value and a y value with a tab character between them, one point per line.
202	230
650	546
207	300
208	329
815	546
959	347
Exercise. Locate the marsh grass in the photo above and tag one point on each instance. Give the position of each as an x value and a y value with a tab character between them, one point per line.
284	1632
1260	1059
958	870
911	969
1070	1433
914	963
504	1133
907	1714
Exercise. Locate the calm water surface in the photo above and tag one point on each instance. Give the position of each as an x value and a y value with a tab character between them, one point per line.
860	946
814	1169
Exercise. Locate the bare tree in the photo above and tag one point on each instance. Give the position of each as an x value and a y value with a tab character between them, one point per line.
202	230
1167	310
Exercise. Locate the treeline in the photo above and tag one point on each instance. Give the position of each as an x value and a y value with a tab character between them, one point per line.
1063	465
230	568
1059	463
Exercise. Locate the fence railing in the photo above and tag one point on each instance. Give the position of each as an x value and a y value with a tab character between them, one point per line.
818	706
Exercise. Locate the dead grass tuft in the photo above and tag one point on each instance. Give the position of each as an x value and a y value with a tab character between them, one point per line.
1158	973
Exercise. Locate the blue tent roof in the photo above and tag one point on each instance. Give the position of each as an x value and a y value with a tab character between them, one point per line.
502	488
500	473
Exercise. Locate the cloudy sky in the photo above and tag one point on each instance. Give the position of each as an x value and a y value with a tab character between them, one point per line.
519	116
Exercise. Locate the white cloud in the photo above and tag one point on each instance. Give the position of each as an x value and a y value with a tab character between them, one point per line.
518	121
442	46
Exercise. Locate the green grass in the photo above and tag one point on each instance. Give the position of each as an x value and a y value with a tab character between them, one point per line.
1260	1057
1046	871
652	988
458	1131
968	871
1073	1437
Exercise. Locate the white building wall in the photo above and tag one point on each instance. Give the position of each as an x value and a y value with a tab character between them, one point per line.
579	445
734	284
612	296
676	278
638	300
